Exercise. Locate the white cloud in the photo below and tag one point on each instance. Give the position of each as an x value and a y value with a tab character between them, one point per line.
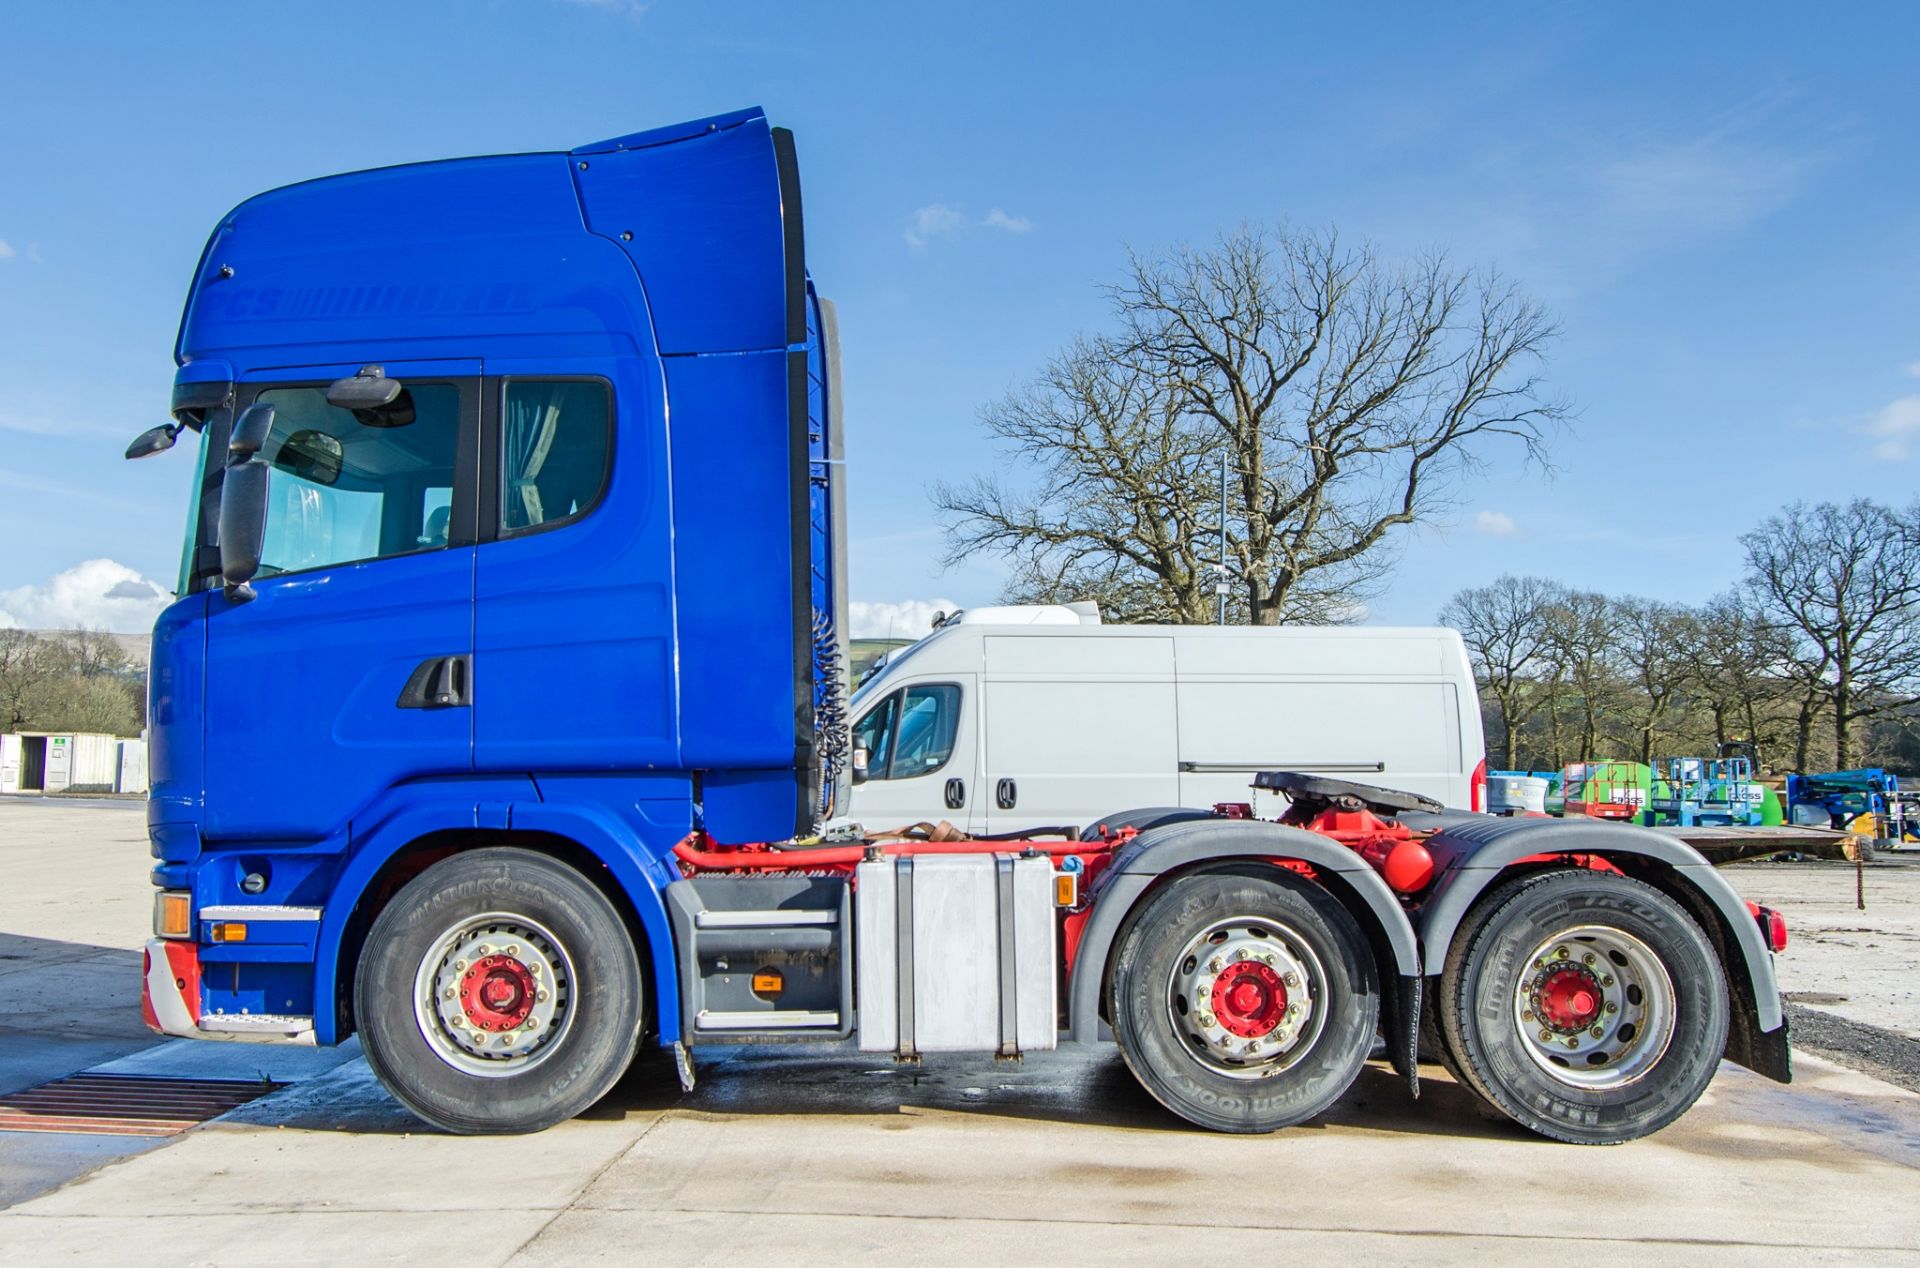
1895	424
1494	524
998	219
1913	368
945	220
98	594
6	250
909	618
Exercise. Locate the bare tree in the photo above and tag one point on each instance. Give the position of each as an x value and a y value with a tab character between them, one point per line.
1648	643
1350	396
1736	664
1583	635
1846	581
1505	627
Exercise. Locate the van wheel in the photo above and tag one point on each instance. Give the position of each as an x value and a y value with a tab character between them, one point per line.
1585	1006
1244	1003
498	992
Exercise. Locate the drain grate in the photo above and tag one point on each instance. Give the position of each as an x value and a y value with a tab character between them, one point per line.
125	1104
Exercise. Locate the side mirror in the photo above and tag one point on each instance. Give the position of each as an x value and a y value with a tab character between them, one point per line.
374	399
369	389
243	525
859	766
250	434
152	441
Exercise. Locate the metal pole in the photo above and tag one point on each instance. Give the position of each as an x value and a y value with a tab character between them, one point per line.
1220	584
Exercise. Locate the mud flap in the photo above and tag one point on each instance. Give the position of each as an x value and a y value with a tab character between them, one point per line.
1400	1027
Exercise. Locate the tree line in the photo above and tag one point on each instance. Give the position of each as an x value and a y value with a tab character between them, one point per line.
74	680
1812	657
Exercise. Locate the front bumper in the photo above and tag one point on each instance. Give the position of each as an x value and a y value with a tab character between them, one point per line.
171	1002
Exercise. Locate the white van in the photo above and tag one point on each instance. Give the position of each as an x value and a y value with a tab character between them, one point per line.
1010	719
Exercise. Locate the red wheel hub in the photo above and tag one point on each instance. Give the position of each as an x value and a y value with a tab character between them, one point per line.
1249	999
1568	999
497	992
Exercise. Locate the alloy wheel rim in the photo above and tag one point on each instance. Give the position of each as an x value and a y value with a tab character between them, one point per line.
1594	1007
1247	997
494	994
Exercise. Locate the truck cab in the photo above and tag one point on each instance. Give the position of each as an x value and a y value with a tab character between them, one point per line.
514	510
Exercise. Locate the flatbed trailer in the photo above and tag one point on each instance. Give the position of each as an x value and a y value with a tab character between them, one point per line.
512	604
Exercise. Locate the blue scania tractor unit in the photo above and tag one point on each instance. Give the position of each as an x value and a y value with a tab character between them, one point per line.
502	708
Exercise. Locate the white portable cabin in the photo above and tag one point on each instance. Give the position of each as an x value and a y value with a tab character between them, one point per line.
1001	726
52	761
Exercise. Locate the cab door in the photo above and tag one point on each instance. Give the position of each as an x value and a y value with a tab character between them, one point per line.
922	758
348	672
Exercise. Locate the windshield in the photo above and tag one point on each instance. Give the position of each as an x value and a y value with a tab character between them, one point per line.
196	493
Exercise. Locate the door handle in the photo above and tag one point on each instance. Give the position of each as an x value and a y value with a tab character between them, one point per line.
956	793
439	682
1005	794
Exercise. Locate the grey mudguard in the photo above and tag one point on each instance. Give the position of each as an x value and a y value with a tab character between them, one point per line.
1158	851
1489	845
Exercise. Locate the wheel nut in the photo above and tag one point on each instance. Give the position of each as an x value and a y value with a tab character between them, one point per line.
541	996
1267	958
1242	954
515	952
1606	979
533	1023
1292	980
507	1040
1206	1019
1612	1007
452	994
1546	1036
1216	964
1573	1043
534	968
1526	1014
484	949
459	966
1587	958
1559	954
1596	1032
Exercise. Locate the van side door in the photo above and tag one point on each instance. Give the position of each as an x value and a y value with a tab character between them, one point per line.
1077	726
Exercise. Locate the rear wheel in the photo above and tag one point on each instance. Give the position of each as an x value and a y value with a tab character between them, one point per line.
1585	1006
1244	1003
498	992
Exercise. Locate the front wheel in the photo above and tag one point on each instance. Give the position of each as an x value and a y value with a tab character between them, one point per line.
1585	1006
498	992
1244	1003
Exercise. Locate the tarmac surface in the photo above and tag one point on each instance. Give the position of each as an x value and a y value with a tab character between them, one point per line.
809	1155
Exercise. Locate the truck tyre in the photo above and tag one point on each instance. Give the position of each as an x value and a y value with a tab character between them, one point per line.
1586	1006
498	992
1244	1001
1142	819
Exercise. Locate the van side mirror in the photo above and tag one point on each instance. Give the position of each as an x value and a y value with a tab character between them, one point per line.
859	766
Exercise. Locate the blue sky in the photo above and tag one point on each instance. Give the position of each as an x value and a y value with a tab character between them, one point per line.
1717	201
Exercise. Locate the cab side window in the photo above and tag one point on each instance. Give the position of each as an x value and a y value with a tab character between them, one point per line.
911	732
556	440
342	491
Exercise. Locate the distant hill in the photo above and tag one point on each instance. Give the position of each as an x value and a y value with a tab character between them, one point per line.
136	646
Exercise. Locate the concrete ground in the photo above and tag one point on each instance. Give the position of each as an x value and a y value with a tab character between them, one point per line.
806	1156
